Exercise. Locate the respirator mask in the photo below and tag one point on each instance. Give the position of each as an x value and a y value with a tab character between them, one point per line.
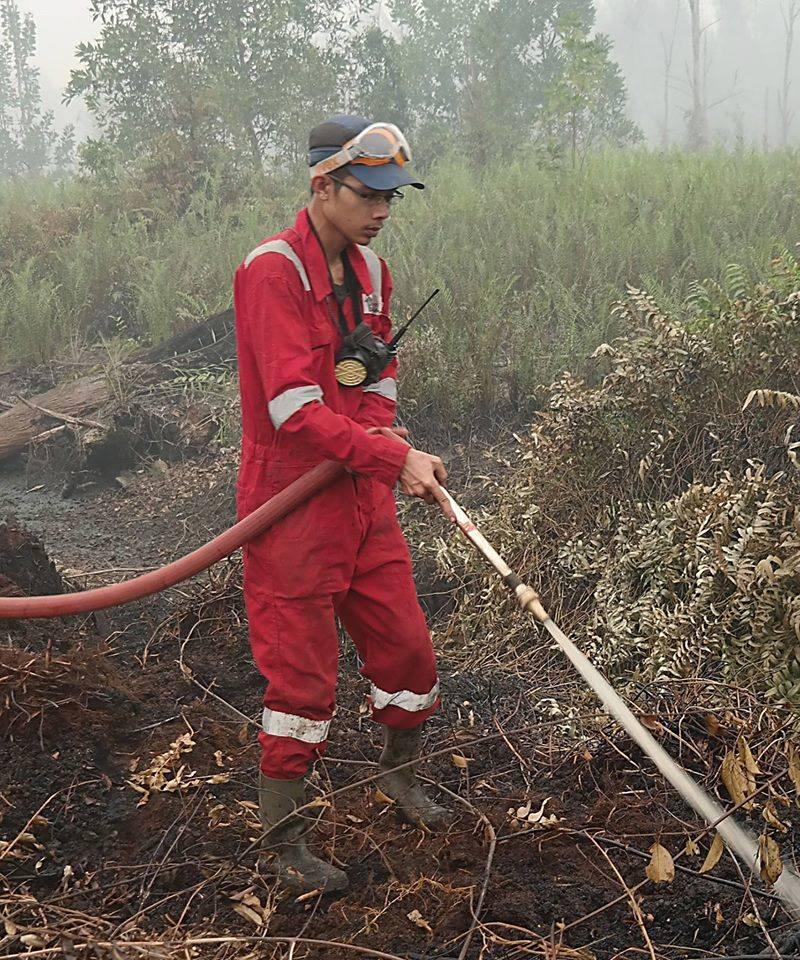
362	357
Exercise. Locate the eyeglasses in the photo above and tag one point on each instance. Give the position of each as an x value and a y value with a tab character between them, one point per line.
373	199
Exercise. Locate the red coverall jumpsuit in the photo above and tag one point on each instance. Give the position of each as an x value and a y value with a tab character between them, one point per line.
341	553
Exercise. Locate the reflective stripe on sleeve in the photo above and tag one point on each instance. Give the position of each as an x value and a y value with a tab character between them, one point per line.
384	388
277	724
286	250
404	699
290	401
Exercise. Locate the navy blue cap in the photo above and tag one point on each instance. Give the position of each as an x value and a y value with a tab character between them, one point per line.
330	136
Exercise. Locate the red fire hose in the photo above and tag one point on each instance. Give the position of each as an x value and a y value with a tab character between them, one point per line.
268	513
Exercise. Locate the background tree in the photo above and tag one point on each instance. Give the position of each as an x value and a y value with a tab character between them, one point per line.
668	49
29	143
587	101
188	83
492	73
790	11
697	134
226	78
378	86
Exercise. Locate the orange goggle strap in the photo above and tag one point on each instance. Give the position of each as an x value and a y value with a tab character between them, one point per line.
354	151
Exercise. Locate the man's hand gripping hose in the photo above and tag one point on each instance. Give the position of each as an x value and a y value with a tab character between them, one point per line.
423	473
739	841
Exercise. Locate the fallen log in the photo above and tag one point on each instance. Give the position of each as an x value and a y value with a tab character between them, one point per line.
31	418
22	422
213	338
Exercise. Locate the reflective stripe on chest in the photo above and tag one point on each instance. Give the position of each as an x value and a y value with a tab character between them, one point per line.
371	302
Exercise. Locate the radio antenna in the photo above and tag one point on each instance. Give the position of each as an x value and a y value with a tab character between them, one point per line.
411	319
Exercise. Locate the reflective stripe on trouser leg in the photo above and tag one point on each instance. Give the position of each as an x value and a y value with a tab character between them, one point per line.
404	699
277	724
381	613
296	648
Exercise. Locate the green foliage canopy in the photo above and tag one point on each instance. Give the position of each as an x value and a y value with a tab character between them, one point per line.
497	74
198	80
222	77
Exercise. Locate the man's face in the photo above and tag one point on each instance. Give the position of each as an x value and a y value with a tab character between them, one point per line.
357	212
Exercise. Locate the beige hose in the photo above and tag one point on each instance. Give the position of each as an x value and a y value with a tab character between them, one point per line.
740	842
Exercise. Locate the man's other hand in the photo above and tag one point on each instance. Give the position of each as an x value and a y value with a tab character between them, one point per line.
422	476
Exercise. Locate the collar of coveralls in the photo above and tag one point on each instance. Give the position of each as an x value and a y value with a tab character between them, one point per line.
313	256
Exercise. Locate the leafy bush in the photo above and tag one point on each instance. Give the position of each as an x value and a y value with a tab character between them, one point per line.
656	499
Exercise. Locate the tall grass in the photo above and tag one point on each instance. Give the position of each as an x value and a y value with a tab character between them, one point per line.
529	259
532	260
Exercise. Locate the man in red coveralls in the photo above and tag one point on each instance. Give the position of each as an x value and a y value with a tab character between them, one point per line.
298	298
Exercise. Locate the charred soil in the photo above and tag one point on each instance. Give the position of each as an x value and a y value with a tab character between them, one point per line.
128	781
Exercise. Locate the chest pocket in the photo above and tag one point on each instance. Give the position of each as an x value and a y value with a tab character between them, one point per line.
324	343
320	333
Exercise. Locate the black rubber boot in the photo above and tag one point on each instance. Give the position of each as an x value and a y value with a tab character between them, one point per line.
413	804
292	861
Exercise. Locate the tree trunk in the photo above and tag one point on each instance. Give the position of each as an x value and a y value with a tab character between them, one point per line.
669	52
212	337
22	423
255	146
248	119
790	14
698	122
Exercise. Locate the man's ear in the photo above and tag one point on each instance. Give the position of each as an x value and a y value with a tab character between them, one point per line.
322	187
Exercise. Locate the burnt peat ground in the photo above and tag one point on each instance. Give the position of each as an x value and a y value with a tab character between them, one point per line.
128	780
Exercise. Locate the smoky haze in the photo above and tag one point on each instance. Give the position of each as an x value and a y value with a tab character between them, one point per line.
743	47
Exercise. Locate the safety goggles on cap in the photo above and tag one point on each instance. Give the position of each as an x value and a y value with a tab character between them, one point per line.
379	143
